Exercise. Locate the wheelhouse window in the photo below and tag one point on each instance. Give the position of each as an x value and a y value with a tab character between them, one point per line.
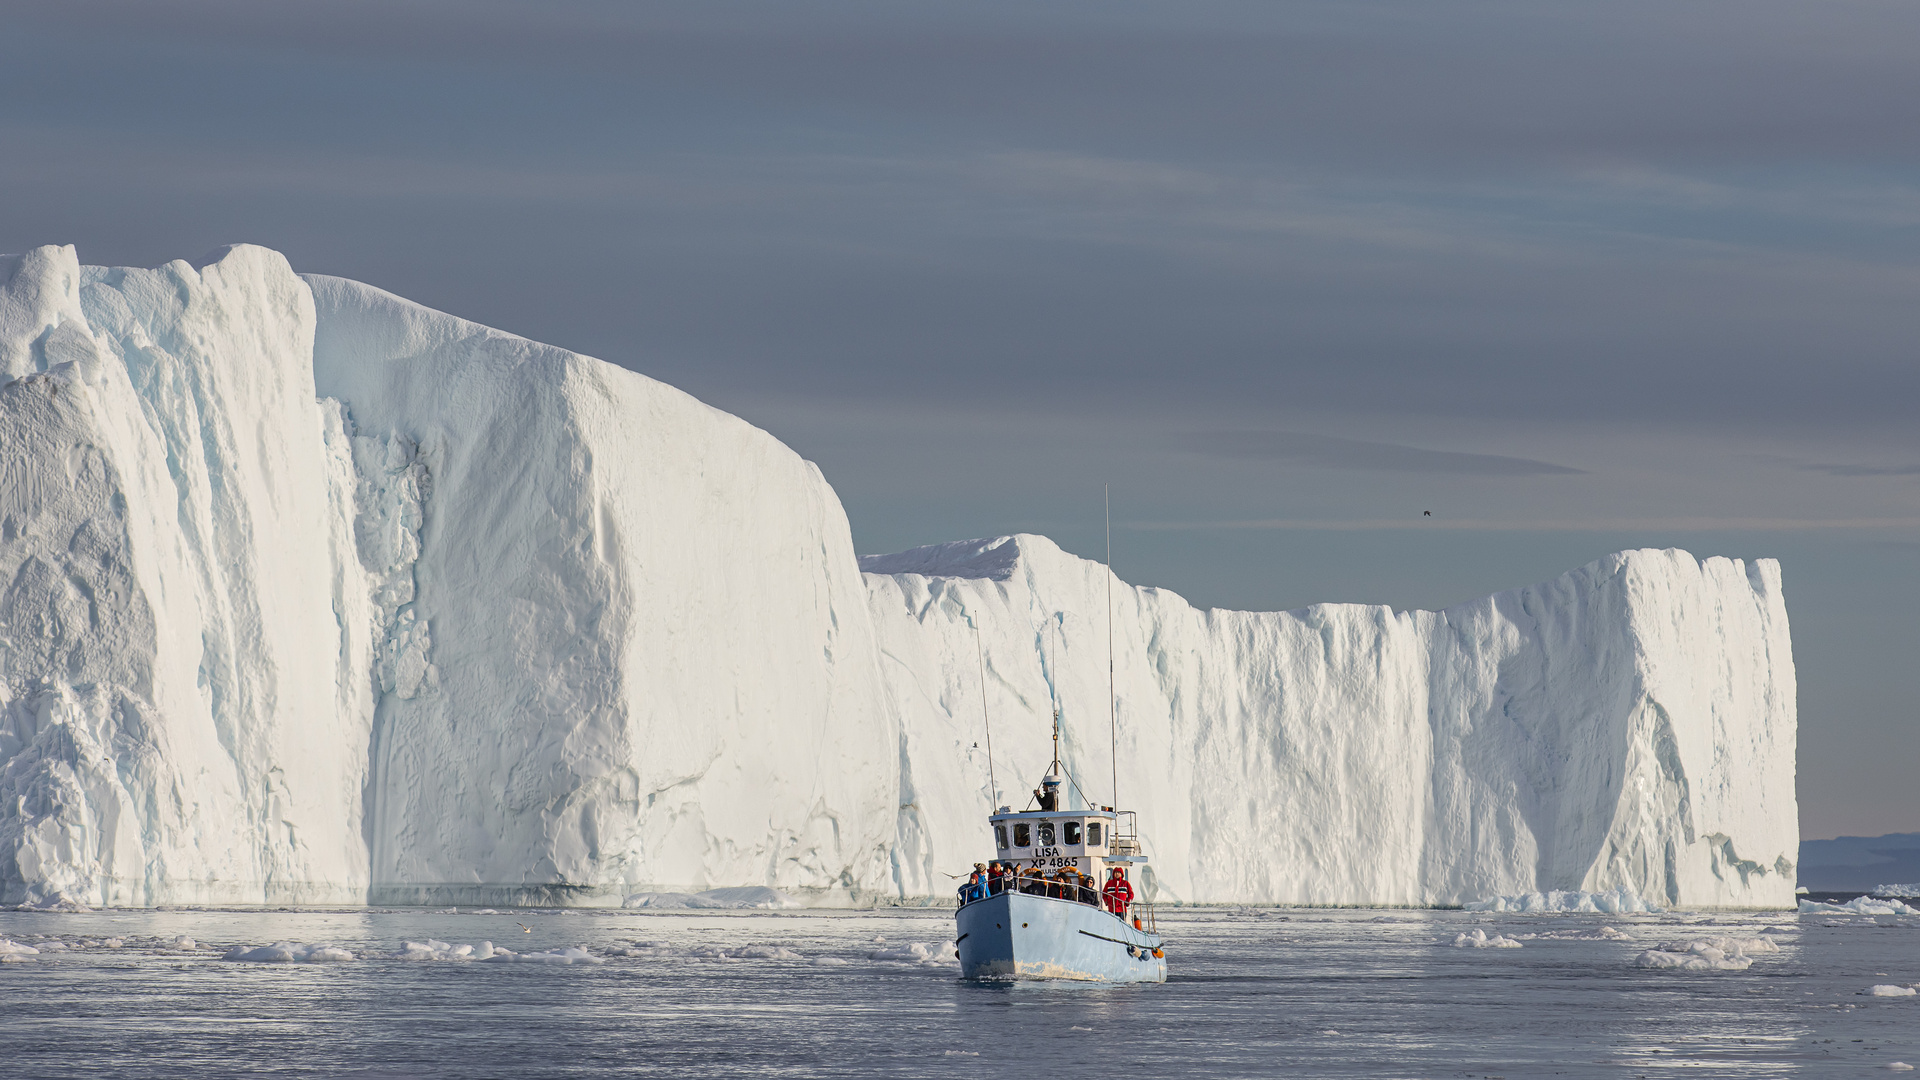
1022	834
1072	831
1000	835
1093	834
1046	834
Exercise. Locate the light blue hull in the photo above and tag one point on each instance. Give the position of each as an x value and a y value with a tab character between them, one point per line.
1020	936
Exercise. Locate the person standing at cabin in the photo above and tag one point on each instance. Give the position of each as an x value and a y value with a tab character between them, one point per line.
1117	893
1048	793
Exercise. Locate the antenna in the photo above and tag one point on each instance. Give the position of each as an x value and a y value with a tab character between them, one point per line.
1113	712
980	653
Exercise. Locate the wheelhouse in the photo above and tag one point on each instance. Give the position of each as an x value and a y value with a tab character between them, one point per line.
1087	840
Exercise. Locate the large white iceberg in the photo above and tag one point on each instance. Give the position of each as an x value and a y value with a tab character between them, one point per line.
1628	726
311	594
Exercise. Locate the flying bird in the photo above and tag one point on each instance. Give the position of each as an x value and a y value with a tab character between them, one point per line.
524	926
1426	513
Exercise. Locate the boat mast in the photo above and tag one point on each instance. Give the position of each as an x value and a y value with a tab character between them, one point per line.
1113	715
1054	692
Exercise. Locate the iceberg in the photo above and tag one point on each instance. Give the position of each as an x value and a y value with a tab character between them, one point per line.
1859	905
1626	729
309	594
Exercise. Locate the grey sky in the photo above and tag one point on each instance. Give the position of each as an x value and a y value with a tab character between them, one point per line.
1575	277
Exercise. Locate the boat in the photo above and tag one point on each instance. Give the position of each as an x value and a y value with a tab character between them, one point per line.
1032	925
1064	904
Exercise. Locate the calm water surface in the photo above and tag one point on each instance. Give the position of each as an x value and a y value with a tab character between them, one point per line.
1307	993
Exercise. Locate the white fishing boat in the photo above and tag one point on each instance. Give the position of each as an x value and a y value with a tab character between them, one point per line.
1059	900
1055	912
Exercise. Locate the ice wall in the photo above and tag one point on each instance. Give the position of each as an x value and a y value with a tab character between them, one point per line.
1628	725
625	646
310	594
183	692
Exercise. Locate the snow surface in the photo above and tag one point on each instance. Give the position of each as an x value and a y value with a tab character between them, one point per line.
309	594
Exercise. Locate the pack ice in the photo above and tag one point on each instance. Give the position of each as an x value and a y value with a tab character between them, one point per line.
309	594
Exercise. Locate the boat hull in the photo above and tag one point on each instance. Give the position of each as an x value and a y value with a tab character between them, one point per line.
1021	936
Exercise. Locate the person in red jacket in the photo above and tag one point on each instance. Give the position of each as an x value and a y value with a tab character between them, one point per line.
1117	894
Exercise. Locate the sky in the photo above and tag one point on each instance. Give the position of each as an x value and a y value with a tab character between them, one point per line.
1282	276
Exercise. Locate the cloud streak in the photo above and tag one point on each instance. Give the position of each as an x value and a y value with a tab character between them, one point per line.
1329	452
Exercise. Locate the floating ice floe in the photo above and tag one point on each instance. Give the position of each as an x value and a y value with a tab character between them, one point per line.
551	956
1617	902
184	942
744	952
744	896
641	949
1604	933
1899	1066
10	949
937	955
434	949
1912	889
288	952
1708	954
1885	990
1479	940
1859	905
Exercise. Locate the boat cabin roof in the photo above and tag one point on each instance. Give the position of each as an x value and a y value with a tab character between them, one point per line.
1037	815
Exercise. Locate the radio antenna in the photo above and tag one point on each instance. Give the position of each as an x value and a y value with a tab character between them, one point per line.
980	653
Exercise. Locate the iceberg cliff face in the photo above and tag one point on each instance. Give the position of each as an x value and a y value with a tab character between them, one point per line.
625	645
182	634
1629	725
310	594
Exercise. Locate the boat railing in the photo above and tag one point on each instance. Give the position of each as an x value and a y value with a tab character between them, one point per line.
1126	835
1140	912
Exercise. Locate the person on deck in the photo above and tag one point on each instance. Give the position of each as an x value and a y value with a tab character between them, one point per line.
996	878
974	889
1117	893
1048	793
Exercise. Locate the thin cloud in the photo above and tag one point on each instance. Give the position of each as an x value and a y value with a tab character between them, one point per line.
1669	524
1863	470
1328	452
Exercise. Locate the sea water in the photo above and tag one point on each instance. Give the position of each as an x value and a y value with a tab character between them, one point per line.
1252	992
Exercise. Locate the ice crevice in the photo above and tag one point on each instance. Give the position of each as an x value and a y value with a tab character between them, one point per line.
310	594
